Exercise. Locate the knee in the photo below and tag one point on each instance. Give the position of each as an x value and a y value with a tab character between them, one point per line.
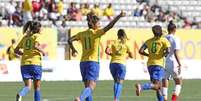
92	85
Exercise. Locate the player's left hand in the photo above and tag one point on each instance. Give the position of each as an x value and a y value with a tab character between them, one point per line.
122	14
74	53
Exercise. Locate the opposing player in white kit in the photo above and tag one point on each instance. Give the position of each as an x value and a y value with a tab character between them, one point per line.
173	65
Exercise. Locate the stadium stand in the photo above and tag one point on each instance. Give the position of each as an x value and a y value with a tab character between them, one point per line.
66	14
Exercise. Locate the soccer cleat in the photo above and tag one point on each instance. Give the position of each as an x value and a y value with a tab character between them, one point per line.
18	98
77	99
138	89
174	97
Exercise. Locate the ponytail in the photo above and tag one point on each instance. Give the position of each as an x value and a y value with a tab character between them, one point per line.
32	26
27	26
171	27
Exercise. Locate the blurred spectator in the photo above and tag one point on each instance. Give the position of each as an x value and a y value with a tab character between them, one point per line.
72	12
10	9
43	14
17	16
137	12
156	8
109	12
150	16
139	9
78	16
27	11
60	7
187	23
161	17
96	10
53	11
2	10
84	9
36	6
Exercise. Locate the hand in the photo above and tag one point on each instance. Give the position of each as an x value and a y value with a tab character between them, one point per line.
122	14
74	53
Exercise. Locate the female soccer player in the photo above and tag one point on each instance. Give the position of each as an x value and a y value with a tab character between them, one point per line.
31	59
158	48
172	58
90	40
118	51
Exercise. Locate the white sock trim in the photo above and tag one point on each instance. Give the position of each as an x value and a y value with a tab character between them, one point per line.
165	92
177	90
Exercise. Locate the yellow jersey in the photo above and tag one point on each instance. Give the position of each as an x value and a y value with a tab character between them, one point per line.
108	12
119	52
11	53
31	56
27	6
156	47
97	11
90	40
60	7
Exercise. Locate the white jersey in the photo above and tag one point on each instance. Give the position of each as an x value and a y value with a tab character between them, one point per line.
171	69
175	45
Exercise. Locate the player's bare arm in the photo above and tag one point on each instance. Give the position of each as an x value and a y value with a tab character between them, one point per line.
18	51
108	51
111	24
142	50
70	42
130	54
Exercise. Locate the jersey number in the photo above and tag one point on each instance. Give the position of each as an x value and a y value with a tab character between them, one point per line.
28	44
153	47
87	43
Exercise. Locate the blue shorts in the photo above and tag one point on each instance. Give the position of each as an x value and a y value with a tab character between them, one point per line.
118	71
31	72
156	72
89	70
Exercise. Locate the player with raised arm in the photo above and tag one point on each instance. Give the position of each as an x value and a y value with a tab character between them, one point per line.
158	48
90	40
30	49
171	69
118	51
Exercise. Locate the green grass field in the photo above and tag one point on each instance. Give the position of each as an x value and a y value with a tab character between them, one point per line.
67	90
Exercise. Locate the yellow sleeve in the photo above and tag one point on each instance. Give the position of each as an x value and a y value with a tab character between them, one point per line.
77	36
38	39
166	43
99	33
128	49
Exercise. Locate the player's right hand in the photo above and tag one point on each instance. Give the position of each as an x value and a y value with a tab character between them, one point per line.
179	69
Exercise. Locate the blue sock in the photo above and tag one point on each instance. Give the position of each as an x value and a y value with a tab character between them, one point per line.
159	96
24	91
86	93
118	91
89	98
37	95
115	89
146	86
